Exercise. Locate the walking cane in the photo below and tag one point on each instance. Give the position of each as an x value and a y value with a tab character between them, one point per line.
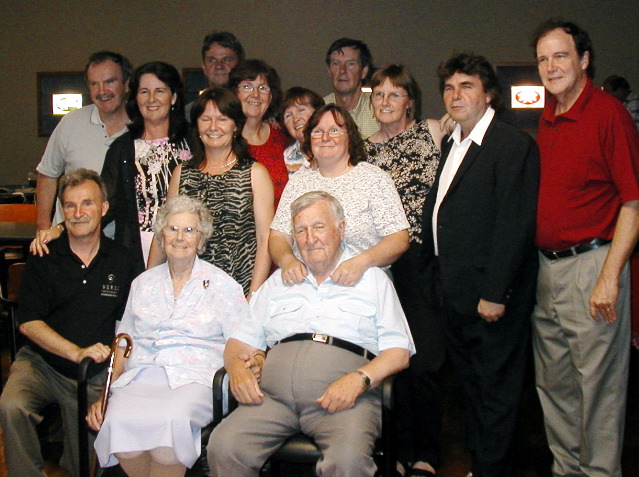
107	385
114	348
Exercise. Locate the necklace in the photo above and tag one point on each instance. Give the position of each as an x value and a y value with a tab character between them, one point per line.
223	165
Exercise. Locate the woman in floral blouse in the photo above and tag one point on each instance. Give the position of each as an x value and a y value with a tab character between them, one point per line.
139	164
408	149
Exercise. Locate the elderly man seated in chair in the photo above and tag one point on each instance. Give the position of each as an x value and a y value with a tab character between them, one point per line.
331	346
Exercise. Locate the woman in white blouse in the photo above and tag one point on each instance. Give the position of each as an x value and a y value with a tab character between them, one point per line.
376	226
179	315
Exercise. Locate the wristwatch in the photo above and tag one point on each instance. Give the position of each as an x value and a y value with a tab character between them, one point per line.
366	379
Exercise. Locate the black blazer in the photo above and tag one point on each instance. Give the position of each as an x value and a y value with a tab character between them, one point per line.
119	174
486	223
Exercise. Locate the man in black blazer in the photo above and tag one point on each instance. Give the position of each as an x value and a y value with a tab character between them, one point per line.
481	263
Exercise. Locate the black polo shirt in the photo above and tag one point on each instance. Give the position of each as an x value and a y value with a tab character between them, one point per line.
81	303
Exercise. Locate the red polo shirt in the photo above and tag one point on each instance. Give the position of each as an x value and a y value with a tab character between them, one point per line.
589	159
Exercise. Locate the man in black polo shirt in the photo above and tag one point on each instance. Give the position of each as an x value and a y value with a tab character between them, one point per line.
69	302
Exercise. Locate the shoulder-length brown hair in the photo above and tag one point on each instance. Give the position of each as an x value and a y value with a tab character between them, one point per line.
230	106
356	149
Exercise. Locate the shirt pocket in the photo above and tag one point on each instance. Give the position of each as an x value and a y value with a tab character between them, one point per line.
284	313
361	314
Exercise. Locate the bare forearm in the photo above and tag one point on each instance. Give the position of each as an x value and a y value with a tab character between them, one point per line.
388	250
45	192
233	350
48	339
156	255
389	361
262	266
280	248
623	242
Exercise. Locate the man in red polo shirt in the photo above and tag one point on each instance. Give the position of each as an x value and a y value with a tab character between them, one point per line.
587	226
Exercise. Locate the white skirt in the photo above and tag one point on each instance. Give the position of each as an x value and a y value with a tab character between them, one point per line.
147	413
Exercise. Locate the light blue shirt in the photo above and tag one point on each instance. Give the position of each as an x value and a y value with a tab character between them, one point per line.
368	314
185	336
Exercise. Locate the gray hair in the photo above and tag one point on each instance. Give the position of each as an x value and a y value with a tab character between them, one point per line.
79	176
306	200
184	204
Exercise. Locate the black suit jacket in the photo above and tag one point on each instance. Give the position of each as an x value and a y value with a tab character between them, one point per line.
486	223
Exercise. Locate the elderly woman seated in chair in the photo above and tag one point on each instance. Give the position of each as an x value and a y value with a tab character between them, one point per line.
179	315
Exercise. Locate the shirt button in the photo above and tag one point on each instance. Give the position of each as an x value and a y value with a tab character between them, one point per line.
84	282
83	266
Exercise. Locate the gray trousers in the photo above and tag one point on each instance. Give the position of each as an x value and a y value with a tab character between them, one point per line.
581	366
32	385
296	374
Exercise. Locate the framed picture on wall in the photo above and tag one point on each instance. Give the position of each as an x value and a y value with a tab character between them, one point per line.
58	94
524	95
194	82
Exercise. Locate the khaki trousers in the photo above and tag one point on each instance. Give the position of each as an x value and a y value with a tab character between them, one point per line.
581	366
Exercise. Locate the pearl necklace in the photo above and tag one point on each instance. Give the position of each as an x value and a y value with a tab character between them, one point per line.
222	166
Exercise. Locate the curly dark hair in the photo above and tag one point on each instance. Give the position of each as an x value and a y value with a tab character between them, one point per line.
472	65
251	69
230	106
169	75
356	149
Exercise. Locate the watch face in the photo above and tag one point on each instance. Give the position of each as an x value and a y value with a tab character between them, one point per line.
366	380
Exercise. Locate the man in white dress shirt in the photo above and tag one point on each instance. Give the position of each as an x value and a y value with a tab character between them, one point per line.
331	348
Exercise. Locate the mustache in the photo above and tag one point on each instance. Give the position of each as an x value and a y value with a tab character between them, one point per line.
81	220
105	97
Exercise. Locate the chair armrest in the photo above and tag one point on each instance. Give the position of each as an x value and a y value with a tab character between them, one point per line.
83	429
11	325
389	444
218	395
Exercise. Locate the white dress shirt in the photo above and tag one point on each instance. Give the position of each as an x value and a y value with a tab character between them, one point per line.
455	157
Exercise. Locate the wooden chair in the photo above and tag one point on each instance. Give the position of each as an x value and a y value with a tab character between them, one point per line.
14	253
18	212
9	300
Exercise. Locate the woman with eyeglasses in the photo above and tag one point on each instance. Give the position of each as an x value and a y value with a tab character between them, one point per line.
178	315
376	227
297	107
236	189
409	150
257	86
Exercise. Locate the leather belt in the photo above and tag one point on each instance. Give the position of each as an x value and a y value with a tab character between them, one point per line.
576	250
330	340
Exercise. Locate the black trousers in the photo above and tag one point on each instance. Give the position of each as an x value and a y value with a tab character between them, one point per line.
490	360
418	388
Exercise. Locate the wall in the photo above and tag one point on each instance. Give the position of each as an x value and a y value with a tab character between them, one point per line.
47	35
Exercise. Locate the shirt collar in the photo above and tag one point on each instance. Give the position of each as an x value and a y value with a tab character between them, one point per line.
64	248
347	252
95	116
576	110
478	132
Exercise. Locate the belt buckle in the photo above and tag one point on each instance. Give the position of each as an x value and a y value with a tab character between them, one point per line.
320	337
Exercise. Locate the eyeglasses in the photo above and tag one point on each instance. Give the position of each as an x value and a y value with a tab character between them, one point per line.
248	88
333	132
394	97
187	232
